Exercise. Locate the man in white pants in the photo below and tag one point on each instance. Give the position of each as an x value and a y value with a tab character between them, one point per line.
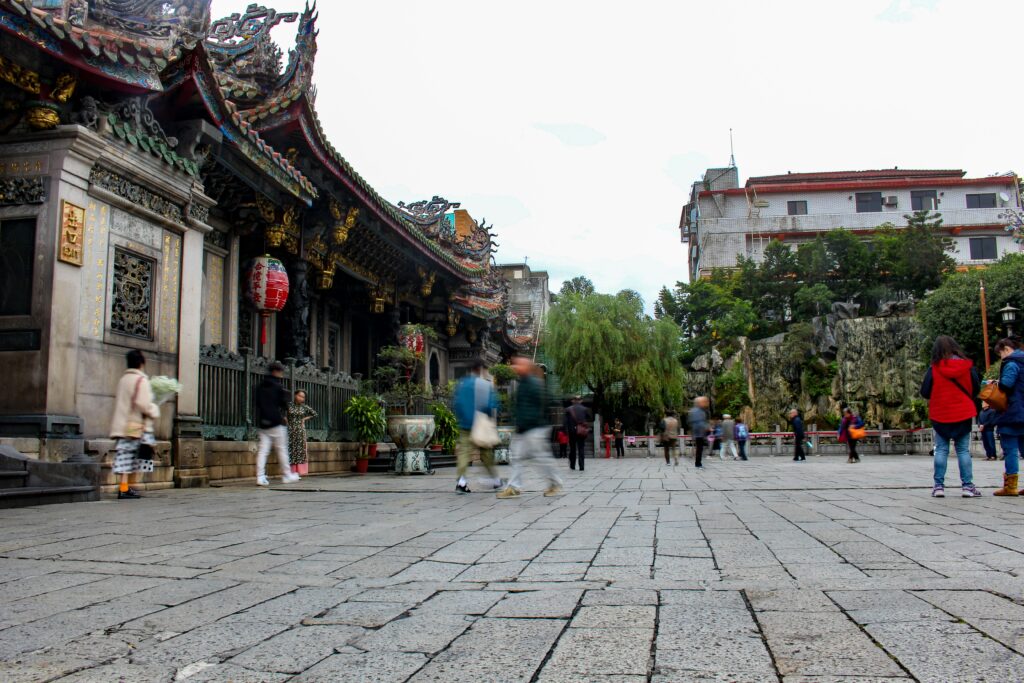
271	407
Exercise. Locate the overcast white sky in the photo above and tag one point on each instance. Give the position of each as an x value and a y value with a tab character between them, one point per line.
576	127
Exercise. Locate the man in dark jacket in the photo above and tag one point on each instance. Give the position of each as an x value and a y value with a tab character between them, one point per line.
530	443
698	421
799	434
271	408
575	419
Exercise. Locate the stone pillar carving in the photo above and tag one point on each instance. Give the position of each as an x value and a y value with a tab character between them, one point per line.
298	311
187	440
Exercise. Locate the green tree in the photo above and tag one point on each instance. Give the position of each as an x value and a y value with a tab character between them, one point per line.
954	308
706	313
579	285
602	341
922	259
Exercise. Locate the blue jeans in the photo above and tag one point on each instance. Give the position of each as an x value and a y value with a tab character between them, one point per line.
963	456
1011	451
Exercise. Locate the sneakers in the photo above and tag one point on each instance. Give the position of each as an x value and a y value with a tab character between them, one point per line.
290	478
938	491
262	481
554	490
129	494
509	492
970	491
461	488
676	463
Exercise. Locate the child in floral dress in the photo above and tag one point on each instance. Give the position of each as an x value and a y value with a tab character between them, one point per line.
298	413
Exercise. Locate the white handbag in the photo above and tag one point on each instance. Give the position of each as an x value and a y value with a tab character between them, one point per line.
484	433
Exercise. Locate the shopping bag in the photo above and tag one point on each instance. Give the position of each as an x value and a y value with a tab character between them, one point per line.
484	433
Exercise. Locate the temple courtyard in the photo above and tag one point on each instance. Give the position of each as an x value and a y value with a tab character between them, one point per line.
767	570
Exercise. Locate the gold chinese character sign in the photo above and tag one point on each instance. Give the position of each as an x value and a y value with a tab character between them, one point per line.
72	229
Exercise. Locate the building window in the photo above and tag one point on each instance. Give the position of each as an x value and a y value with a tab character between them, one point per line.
798	208
869	202
17	251
132	308
983	248
923	200
981	201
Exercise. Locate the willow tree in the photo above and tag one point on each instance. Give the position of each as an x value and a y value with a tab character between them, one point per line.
602	341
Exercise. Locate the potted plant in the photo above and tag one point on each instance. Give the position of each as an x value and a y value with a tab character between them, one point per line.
397	377
366	416
503	376
446	428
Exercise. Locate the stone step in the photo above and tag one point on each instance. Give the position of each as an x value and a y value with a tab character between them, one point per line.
24	496
10	479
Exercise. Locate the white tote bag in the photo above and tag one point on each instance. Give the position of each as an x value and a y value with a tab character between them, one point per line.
484	433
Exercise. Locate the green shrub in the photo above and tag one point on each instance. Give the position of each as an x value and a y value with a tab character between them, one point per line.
446	428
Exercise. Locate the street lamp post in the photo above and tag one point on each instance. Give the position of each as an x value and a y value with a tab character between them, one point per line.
1008	314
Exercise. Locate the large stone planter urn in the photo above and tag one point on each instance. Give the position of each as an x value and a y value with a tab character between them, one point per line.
501	451
411	433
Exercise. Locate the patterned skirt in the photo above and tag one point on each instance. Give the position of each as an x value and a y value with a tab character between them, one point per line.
126	460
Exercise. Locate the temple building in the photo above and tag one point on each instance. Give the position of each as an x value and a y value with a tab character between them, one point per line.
150	158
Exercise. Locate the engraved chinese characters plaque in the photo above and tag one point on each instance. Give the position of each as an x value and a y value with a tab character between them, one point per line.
72	228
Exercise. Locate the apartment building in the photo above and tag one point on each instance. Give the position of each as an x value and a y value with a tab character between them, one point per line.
724	220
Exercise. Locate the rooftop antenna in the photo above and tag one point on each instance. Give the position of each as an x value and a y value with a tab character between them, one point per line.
732	152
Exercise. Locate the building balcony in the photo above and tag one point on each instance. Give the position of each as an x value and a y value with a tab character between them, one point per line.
851	221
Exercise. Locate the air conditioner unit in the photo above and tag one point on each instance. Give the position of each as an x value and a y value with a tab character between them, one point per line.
891	200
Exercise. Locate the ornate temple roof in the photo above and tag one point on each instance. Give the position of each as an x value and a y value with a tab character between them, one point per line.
146	48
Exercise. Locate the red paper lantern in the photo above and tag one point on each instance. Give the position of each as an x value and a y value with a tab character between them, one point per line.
266	288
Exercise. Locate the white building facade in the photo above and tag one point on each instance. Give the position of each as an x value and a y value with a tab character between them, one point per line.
723	220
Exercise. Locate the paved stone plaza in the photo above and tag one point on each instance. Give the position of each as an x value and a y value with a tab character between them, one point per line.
761	571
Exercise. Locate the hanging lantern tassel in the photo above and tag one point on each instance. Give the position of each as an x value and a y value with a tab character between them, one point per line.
263	328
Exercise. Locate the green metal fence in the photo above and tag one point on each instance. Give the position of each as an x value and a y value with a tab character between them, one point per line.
227	393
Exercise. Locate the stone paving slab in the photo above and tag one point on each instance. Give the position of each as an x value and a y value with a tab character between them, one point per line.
743	572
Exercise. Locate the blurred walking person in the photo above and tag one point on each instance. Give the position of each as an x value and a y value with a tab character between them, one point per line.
729	436
474	394
618	433
1010	422
698	421
849	421
669	429
742	436
530	443
950	385
577	426
799	434
132	425
271	408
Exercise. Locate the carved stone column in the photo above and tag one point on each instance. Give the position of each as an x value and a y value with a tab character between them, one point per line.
187	440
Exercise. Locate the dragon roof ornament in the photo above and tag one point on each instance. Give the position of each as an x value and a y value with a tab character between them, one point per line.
249	62
434	218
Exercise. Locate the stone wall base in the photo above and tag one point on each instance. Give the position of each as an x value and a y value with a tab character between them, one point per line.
225	461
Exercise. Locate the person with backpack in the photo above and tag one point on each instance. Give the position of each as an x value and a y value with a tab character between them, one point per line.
850	421
951	384
669	430
742	435
987	427
1010	422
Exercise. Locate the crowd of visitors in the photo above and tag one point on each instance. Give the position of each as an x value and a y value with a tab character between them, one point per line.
956	394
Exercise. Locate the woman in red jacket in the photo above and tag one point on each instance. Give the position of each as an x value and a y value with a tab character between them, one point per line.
950	385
